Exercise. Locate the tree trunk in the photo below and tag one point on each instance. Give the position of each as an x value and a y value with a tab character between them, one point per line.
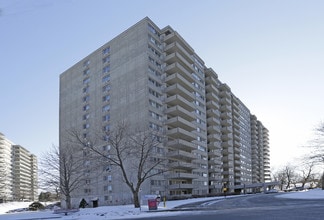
68	201
323	181
136	200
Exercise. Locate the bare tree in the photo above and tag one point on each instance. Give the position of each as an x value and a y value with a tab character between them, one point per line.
280	177
307	173
316	146
286	176
133	153
61	170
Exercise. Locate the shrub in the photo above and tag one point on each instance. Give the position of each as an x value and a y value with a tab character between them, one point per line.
83	204
36	206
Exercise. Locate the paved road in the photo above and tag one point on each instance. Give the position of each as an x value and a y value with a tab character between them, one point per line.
251	207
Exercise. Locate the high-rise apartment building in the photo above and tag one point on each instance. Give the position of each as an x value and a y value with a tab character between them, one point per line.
5	169
18	172
153	77
24	174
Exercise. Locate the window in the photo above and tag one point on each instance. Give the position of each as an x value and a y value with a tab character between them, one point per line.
155	42
106	69
85	126
152	30
106	78
87	190
201	148
155	52
86	98
154	93
106	128
155	83
106	59
155	127
86	72
155	104
106	118
106	108
106	88
86	81
107	168
155	115
106	98
86	63
106	147
155	72
86	107
86	116
85	89
157	64
106	51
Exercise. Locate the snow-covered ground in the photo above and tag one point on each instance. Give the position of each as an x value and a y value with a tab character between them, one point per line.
126	211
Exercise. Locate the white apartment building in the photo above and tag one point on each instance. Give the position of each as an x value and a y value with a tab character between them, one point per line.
153	77
18	172
5	169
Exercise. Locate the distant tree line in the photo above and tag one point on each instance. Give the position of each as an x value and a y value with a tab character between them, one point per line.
307	170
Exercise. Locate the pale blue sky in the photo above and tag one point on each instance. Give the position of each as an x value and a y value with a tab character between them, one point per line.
270	52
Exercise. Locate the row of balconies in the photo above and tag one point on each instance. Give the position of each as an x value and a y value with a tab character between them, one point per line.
179	100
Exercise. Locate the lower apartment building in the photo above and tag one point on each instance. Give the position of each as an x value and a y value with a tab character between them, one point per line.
152	77
18	170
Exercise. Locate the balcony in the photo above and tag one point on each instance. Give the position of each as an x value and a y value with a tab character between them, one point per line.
215	178
227	137
181	123
181	155
215	152
228	151
214	137
178	110
181	145
179	133
175	37
225	115
178	89
181	176
176	47
213	113
180	186
212	89
225	101
212	121
178	58
212	105
179	100
214	146
227	144
215	161
178	78
226	122
182	165
211	97
226	129
213	129
178	68
224	93
225	108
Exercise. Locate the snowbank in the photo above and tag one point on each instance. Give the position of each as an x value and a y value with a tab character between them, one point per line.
127	211
310	194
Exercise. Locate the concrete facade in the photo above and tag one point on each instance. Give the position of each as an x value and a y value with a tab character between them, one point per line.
152	77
